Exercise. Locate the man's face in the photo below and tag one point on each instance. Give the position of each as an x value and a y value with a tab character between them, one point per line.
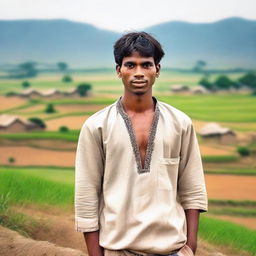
138	73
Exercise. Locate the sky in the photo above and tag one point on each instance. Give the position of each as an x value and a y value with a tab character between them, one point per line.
122	16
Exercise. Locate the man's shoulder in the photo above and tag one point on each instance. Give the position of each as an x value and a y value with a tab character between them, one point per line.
174	113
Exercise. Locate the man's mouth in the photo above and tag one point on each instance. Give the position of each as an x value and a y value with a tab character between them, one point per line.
138	82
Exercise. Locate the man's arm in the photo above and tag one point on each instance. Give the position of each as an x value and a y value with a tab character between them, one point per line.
92	243
191	184
192	217
88	185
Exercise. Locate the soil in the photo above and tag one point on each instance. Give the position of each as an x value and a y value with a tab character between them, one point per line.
10	102
231	187
244	221
35	156
72	122
61	233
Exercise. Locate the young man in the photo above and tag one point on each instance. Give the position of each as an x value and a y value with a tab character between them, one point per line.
139	178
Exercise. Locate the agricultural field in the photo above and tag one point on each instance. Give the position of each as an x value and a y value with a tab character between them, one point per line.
37	168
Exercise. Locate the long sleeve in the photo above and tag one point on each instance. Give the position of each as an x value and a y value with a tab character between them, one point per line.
191	183
89	166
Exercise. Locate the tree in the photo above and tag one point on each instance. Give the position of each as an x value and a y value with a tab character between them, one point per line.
38	121
200	64
62	66
249	79
26	84
206	83
83	89
67	79
223	82
243	151
50	108
26	69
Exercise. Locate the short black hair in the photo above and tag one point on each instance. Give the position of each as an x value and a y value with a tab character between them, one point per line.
141	42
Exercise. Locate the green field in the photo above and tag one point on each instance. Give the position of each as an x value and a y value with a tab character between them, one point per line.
55	186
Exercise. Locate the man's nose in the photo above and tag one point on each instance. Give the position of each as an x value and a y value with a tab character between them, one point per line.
138	72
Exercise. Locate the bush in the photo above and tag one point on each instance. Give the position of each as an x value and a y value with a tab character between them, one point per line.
83	89
67	79
38	121
50	108
25	84
243	151
249	79
63	129
223	82
206	84
11	160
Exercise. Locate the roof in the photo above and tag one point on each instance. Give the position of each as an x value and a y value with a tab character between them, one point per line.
179	87
7	120
214	129
199	88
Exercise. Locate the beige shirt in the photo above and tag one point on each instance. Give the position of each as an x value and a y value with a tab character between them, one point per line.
141	210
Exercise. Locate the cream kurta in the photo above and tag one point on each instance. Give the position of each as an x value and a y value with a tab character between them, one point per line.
137	209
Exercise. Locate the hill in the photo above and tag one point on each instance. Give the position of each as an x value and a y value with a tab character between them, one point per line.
228	43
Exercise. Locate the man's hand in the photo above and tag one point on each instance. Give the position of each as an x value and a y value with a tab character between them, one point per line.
192	217
92	243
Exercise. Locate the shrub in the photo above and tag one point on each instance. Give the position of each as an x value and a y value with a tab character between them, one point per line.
67	79
38	121
223	82
63	129
83	89
243	151
206	83
50	108
25	84
11	160
249	79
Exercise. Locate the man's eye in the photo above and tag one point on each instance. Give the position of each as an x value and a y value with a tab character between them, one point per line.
129	65
147	65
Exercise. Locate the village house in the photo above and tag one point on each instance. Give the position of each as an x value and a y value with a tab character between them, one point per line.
214	132
179	88
13	124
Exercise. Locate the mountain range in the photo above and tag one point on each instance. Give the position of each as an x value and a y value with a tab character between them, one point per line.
228	43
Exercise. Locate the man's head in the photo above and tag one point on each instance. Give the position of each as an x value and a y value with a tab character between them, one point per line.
137	56
142	43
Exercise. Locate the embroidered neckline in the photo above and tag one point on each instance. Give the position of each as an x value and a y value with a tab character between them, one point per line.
151	137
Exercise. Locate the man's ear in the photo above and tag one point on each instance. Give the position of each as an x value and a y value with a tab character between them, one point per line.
118	70
158	67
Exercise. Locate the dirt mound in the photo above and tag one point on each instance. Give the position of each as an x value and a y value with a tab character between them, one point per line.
11	243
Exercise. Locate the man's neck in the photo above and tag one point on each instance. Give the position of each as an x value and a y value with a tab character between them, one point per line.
138	103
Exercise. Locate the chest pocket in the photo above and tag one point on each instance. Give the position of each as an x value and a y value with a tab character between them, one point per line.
168	173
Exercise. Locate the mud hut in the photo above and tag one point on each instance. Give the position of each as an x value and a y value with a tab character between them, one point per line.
52	94
214	132
30	93
199	90
12	124
179	88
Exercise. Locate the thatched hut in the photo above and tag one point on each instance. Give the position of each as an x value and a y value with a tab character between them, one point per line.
214	132
31	93
179	88
199	90
9	124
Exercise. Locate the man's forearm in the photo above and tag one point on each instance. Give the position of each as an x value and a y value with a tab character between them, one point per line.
92	243
192	217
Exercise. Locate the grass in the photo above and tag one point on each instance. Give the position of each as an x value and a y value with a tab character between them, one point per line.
43	188
72	135
245	203
220	159
233	171
16	221
233	211
225	233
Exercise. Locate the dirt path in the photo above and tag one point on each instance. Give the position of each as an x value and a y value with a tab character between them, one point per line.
13	244
60	231
244	221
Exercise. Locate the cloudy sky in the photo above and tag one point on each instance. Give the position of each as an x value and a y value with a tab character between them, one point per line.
122	16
